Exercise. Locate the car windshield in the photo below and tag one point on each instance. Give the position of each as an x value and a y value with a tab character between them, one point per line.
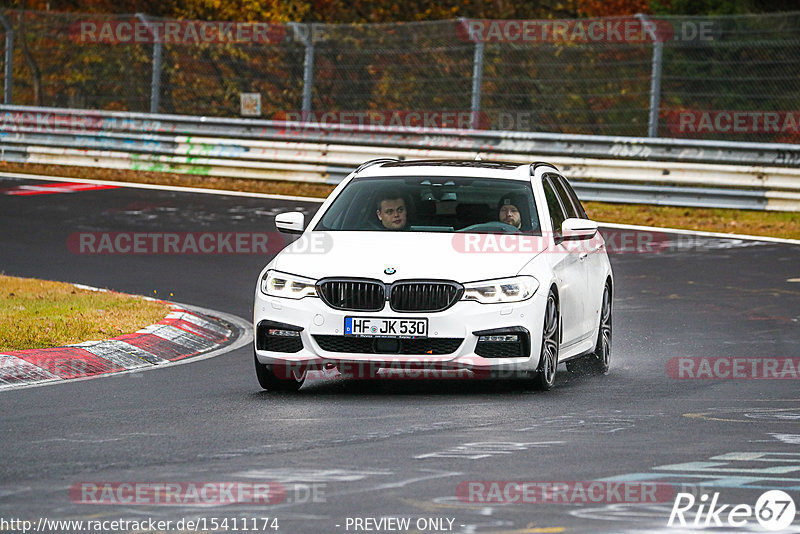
433	204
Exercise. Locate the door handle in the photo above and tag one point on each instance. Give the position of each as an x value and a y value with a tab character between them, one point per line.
582	255
600	247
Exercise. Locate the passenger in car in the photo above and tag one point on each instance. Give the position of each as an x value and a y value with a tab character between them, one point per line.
392	211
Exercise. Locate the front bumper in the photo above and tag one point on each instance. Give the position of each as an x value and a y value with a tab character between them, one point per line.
452	342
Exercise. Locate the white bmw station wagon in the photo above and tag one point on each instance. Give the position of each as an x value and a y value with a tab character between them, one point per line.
482	267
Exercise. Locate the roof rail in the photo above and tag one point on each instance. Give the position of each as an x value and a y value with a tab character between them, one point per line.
373	162
536	164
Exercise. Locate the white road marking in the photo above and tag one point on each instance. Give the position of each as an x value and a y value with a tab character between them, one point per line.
700	233
175	188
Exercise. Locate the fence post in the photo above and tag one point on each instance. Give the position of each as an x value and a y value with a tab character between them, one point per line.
477	78
155	83
9	64
655	76
306	36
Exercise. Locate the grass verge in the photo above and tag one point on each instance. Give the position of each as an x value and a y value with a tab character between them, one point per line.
38	314
763	223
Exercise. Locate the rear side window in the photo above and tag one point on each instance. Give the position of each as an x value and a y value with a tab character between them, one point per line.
581	213
557	215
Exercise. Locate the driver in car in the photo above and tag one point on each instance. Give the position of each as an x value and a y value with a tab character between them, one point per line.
392	212
509	212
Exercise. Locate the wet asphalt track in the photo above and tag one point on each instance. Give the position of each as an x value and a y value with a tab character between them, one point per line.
401	449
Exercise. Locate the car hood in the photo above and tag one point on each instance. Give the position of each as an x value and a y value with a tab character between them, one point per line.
459	257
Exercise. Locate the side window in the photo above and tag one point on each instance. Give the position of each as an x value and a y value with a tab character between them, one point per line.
557	216
573	197
569	208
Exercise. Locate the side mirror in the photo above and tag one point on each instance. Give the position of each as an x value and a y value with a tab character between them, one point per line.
574	228
291	222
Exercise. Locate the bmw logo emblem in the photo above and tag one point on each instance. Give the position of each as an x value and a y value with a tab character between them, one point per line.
390	270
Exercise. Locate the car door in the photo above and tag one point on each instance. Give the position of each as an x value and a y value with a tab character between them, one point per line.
594	261
568	268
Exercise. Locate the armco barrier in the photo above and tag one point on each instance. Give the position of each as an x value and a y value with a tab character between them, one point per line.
615	169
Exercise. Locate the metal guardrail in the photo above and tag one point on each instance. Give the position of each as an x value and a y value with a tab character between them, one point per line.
639	148
615	169
700	197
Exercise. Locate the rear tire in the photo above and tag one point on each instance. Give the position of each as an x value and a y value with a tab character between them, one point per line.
599	361
272	382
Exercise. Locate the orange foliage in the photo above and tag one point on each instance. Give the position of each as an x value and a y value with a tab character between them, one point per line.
612	8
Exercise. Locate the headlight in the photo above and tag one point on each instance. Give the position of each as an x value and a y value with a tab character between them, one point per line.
290	286
514	289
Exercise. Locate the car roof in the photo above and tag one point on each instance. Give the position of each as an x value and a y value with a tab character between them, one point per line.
480	164
450	167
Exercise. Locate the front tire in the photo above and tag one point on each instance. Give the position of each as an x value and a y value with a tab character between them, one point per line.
272	382
548	358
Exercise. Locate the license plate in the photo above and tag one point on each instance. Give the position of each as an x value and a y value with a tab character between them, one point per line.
385	327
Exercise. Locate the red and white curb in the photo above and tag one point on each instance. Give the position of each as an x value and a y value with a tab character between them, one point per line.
186	332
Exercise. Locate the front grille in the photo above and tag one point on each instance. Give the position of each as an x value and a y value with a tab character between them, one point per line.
365	345
404	295
363	295
424	296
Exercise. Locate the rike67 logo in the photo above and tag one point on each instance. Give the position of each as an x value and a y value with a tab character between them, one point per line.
774	510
